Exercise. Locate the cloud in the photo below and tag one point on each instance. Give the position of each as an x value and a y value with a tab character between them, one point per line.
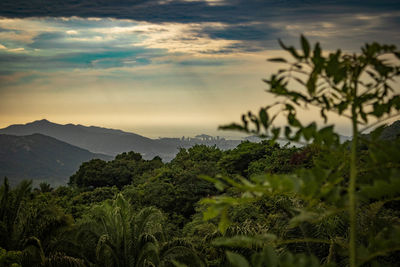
71	32
232	11
154	61
105	43
190	26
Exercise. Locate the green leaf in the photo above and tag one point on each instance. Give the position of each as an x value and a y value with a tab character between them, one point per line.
342	106
317	51
289	49
278	59
381	189
236	260
268	256
306	46
323	115
232	126
224	221
178	264
264	117
275	132
282	44
312	83
212	212
309	131
293	121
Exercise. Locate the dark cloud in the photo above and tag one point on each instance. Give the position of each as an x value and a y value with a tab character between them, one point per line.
256	24
248	19
234	11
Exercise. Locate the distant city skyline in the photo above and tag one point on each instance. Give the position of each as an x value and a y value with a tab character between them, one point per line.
166	68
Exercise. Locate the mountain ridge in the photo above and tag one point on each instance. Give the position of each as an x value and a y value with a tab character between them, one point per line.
113	141
93	138
41	158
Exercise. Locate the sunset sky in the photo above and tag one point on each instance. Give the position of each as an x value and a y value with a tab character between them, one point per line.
164	67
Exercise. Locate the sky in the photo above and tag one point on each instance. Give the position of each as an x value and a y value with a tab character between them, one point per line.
164	67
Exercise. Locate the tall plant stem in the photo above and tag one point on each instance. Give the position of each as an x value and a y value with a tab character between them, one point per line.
352	187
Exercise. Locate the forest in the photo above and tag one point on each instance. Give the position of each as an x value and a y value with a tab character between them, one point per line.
320	203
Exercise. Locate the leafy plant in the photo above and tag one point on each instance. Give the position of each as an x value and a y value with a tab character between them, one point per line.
357	86
123	237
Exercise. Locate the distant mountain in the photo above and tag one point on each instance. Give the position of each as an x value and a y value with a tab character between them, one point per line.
96	139
40	158
392	131
113	142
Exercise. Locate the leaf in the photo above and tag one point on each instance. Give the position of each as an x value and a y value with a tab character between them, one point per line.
309	131
267	257
212	211
300	81
232	126
282	44
178	264
342	106
380	189
264	117
312	83
306	46
236	260
224	221
289	49
293	121
278	59
275	132
323	115
317	51
304	216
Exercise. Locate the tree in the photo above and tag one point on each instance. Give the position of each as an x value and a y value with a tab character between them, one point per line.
123	170
32	227
123	237
11	204
357	86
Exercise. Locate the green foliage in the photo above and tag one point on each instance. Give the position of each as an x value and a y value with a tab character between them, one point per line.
11	203
123	237
356	86
124	169
237	161
45	187
80	203
10	258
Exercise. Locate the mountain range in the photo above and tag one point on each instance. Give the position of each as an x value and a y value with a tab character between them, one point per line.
95	139
40	158
46	151
113	142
